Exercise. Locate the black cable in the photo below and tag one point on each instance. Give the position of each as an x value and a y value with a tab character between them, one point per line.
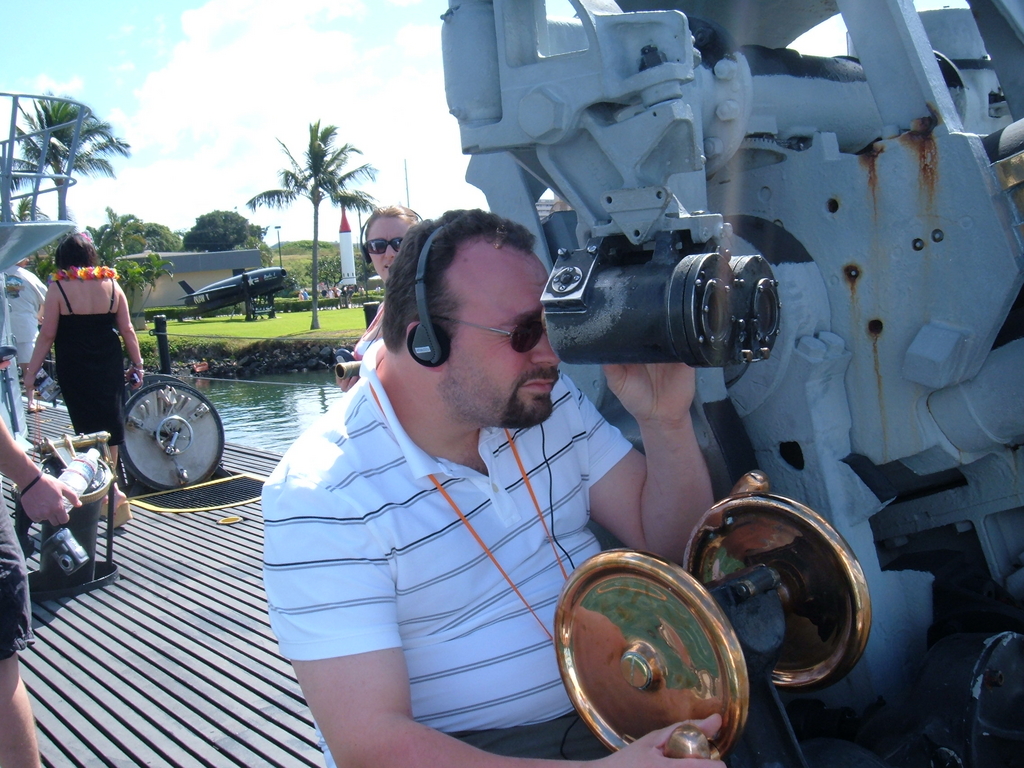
551	497
565	738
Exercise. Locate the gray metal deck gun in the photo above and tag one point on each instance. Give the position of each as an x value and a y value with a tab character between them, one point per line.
879	196
608	111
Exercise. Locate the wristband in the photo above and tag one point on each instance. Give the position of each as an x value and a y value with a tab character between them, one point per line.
28	487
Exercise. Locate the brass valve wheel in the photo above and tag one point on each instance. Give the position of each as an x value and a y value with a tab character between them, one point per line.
824	592
641	645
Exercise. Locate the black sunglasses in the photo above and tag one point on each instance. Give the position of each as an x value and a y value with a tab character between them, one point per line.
379	245
522	338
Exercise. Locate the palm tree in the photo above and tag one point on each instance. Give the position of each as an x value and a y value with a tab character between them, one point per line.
24	211
119	236
322	176
48	136
138	279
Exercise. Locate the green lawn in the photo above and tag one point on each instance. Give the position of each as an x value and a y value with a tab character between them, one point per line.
216	336
334	324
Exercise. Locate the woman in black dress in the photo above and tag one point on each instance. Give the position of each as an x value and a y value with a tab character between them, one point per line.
85	310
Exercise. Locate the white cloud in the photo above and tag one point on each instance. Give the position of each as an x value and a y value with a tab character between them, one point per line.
419	40
46	84
245	75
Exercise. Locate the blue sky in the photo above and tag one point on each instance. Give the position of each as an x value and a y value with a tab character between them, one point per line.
203	91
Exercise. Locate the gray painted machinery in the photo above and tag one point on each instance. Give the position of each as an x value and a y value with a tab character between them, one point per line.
838	245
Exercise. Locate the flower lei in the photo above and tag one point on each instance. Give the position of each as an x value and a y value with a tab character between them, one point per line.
85	273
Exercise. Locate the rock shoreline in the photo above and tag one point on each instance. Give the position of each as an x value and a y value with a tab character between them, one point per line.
268	358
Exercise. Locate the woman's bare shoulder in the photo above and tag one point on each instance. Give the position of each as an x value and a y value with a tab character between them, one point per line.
89	297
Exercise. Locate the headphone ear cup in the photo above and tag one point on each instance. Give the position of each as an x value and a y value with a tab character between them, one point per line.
427	351
362	243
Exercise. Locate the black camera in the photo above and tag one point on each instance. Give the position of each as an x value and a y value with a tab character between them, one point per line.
666	301
65	550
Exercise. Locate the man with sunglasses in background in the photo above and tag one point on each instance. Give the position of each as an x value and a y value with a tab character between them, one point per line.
417	537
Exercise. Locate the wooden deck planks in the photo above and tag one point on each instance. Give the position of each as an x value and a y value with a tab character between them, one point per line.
175	663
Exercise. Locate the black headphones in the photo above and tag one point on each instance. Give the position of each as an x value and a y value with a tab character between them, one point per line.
428	344
362	242
362	233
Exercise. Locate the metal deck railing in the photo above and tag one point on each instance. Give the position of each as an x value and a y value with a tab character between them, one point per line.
36	160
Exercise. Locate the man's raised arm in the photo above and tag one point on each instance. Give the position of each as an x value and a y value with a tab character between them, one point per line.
652	501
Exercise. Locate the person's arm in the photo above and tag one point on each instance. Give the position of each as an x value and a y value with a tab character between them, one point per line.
44	341
361	704
652	501
40	291
41	494
131	341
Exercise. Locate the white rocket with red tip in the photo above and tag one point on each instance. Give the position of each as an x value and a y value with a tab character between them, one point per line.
348	259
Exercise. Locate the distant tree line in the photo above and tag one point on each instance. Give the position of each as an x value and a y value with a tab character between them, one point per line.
323	173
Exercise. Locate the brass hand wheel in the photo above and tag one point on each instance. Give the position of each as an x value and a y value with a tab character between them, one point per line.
824	592
641	645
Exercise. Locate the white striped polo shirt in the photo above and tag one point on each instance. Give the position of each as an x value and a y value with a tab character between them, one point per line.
362	553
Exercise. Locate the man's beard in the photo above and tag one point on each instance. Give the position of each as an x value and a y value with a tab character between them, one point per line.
517	411
537	408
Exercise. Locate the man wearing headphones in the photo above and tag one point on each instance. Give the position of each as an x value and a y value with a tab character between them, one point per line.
417	536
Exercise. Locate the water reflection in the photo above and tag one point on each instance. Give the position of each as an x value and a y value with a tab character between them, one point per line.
271	411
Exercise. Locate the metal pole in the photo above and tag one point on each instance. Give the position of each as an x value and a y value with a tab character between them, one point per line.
279	262
164	349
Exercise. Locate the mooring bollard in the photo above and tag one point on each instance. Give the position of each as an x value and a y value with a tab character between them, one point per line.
370	311
163	348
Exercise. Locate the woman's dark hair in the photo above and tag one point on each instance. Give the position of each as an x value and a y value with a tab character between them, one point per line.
460	226
76	250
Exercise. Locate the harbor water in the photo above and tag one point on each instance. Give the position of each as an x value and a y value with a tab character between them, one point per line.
272	411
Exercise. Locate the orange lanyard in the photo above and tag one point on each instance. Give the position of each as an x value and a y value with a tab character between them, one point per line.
533	496
480	541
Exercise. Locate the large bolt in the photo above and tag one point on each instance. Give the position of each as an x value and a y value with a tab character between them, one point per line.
725	69
728	110
541	114
713	146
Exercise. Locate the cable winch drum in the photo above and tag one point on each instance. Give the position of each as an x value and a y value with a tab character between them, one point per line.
173	435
